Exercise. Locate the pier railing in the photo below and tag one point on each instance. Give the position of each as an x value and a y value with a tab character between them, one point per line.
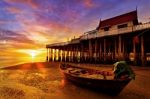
141	26
57	44
95	33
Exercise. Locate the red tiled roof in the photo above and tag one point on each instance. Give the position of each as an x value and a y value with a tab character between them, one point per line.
131	16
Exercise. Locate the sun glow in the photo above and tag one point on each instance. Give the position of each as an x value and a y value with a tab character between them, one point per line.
33	54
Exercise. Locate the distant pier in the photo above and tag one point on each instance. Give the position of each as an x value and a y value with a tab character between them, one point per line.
118	38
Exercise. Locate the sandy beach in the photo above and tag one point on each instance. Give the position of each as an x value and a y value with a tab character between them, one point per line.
44	80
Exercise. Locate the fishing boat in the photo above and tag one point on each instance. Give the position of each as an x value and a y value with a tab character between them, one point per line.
94	79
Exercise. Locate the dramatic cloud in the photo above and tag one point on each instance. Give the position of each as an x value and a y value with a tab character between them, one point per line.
31	24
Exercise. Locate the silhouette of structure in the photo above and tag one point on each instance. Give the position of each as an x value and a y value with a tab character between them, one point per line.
118	38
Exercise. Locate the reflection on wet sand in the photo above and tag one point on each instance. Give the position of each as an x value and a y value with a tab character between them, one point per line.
45	81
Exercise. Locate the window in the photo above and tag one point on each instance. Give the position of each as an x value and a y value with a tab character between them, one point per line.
122	26
106	29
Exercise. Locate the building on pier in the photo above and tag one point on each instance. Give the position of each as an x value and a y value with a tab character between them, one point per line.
117	38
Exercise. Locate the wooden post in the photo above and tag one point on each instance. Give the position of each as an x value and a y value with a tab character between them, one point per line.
104	50
60	54
116	54
100	51
58	51
78	54
74	53
142	51
134	52
49	54
63	55
119	48
96	50
123	49
113	49
47	57
67	54
57	54
81	53
54	55
77	58
109	53
71	54
90	50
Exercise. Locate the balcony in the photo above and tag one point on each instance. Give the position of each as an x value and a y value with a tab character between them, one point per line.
95	33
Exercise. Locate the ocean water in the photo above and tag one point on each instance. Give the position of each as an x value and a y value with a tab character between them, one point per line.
10	61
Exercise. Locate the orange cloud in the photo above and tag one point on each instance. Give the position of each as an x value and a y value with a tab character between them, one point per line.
89	3
31	3
47	32
14	10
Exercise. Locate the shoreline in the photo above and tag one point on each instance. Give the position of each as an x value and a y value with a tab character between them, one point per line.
84	65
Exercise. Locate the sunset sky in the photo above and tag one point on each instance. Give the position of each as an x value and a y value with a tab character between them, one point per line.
26	26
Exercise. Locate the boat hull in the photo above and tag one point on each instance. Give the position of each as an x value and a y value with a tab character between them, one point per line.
112	87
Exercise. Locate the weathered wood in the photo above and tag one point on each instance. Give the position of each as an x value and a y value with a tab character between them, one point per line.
104	50
54	54
49	54
134	52
62	55
74	53
120	48
96	54
100	44
59	55
71	53
67	54
142	51
90	50
116	54
82	53
123	49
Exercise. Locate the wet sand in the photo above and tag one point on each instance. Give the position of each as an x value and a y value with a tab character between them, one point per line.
45	81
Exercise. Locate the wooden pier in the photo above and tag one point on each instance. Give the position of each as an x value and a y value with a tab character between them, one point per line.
117	38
